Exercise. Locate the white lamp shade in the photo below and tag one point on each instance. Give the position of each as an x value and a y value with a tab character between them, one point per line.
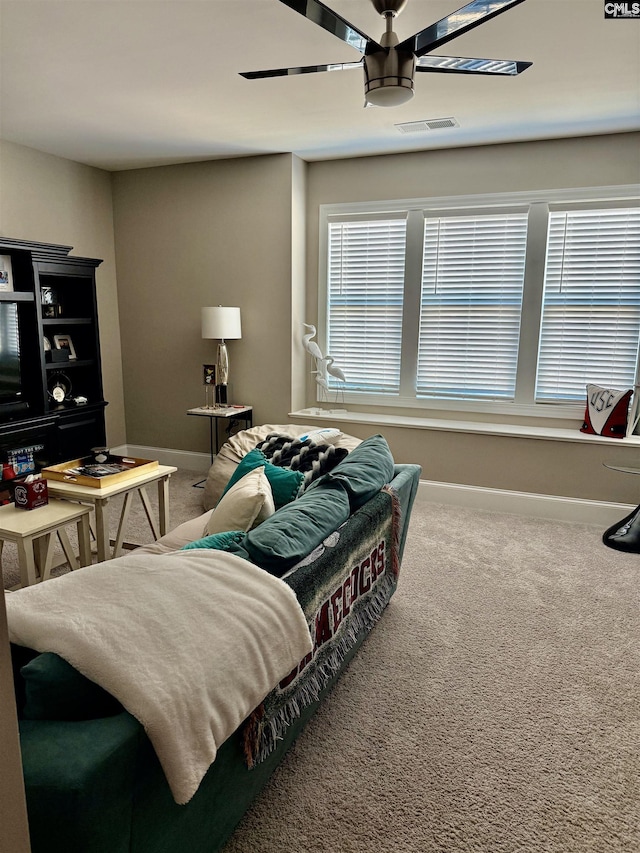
221	323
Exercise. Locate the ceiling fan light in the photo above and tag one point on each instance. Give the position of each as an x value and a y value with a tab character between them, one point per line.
392	95
388	77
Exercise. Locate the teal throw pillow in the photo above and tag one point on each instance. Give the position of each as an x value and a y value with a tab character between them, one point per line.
363	472
295	530
285	483
217	541
54	690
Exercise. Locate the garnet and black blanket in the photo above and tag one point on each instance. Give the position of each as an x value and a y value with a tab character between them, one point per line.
343	587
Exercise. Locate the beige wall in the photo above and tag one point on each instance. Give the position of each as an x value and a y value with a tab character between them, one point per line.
52	200
506	463
189	236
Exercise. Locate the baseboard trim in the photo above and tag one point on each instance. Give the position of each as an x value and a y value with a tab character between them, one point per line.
198	462
554	507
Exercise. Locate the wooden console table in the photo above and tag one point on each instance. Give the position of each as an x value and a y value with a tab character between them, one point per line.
99	499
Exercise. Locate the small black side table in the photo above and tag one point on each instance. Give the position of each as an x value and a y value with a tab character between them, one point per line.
624	535
230	414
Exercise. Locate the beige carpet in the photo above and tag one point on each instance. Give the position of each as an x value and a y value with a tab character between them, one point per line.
494	709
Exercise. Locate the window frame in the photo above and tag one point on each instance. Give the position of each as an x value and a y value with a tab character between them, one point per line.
538	203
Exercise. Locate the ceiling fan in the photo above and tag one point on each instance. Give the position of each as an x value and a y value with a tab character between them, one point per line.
389	65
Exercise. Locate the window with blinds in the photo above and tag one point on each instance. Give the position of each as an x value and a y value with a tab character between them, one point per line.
472	285
365	302
507	304
591	309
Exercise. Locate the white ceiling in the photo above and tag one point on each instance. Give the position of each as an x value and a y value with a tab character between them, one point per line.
121	84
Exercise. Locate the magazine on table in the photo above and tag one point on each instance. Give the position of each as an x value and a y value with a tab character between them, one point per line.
94	470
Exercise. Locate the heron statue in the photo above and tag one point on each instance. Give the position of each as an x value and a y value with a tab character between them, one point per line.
324	365
311	346
337	373
322	384
318	361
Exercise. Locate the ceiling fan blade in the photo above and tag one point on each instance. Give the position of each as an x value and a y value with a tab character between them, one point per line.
306	69
465	65
329	20
455	24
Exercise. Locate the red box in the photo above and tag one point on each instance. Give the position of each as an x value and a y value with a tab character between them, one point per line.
31	495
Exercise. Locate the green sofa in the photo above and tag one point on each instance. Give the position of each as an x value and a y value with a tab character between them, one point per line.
93	782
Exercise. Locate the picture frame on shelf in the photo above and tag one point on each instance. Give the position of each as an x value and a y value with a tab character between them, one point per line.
6	274
209	381
64	342
51	308
48	295
51	311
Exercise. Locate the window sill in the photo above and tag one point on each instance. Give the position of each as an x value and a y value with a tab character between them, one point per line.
506	430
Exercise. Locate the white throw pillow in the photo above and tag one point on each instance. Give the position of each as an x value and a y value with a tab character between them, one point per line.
247	503
325	435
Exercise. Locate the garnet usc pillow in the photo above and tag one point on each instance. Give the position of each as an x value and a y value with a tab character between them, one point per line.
606	412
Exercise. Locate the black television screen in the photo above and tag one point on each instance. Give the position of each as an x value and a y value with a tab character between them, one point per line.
10	378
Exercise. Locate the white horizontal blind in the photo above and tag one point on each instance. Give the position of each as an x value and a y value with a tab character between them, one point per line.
365	297
472	285
591	310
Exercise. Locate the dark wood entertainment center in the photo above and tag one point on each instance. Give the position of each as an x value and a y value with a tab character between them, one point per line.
53	405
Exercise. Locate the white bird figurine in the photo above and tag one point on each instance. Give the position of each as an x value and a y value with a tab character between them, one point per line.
335	371
322	384
311	346
315	352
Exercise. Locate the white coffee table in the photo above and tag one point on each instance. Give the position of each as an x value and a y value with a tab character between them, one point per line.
32	530
99	499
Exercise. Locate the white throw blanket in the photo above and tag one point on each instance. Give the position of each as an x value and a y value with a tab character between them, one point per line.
189	642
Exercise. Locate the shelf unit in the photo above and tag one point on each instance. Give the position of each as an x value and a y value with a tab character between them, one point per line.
55	298
71	292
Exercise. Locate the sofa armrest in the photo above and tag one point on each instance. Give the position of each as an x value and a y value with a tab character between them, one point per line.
405	482
79	783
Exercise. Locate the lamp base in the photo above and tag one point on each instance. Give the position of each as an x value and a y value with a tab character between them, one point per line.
222	365
221	395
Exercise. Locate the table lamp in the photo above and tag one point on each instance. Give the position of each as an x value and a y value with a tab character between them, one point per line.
221	324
